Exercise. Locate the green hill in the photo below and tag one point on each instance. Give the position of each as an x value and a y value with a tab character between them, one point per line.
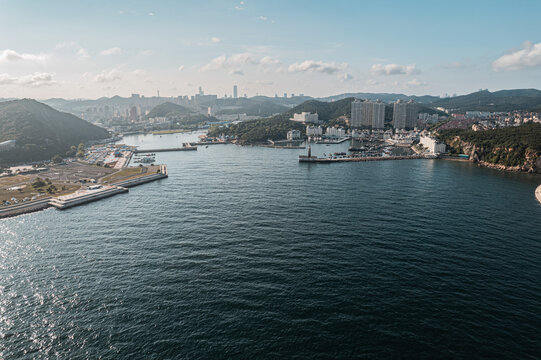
484	100
40	131
513	146
327	111
168	109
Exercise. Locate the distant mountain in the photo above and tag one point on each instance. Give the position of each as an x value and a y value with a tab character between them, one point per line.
385	97
40	131
169	109
484	100
252	107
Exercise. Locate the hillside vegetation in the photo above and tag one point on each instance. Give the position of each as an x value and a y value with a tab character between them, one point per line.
168	109
518	146
40	131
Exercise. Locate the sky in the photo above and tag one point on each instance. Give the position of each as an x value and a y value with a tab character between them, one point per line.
90	49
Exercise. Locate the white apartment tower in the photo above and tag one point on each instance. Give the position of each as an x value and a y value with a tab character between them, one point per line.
404	114
367	114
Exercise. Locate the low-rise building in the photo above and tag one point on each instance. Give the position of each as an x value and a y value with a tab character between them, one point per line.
433	145
335	132
314	131
305	117
293	135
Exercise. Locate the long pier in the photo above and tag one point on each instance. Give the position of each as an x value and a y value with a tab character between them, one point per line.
202	143
314	159
186	148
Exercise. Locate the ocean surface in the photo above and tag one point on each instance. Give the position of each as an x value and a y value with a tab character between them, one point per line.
244	253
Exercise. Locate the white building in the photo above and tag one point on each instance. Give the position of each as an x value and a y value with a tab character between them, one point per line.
335	132
293	135
7	145
432	145
314	131
306	117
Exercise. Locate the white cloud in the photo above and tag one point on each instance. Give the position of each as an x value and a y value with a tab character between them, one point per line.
82	54
263	18
145	53
394	69
138	72
415	82
528	57
372	82
236	61
12	55
268	61
150	14
236	72
215	40
111	51
105	76
316	66
240	6
181	67
345	77
37	79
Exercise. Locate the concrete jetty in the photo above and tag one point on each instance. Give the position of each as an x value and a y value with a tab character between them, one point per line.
313	159
85	196
538	193
186	148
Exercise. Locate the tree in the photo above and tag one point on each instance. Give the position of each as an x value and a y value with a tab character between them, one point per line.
57	159
81	150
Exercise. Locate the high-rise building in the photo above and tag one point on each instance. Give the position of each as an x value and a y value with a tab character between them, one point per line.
404	114
235	91
411	116
378	115
355	120
367	114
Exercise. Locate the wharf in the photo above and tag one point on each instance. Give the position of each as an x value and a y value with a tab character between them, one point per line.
283	146
314	159
332	141
186	148
202	143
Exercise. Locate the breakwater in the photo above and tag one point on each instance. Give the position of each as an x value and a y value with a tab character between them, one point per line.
313	159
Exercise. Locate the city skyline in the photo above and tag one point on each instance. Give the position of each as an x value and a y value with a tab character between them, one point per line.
103	49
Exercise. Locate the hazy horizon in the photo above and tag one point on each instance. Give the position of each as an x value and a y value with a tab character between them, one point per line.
90	50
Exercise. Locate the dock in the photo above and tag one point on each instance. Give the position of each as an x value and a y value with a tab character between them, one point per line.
185	148
314	159
202	143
